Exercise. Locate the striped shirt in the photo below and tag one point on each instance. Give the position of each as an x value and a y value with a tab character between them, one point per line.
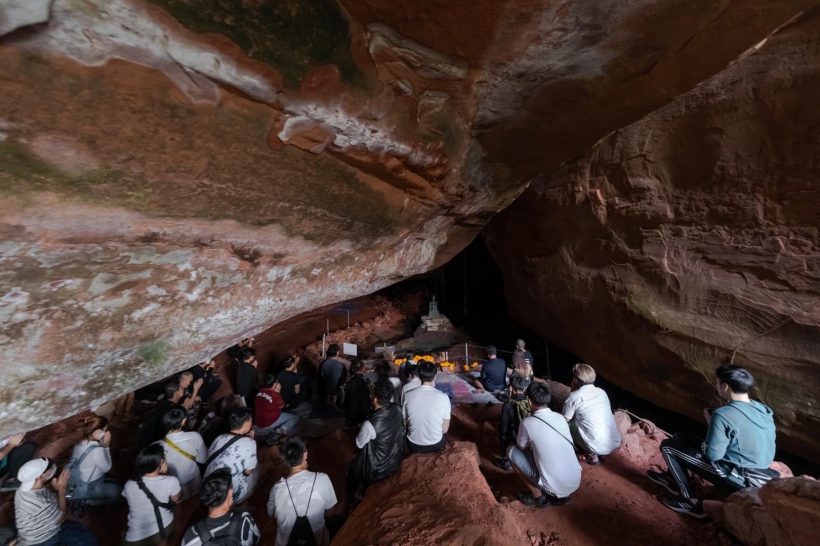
38	516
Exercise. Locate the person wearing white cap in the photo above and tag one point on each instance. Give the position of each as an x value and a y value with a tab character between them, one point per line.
40	508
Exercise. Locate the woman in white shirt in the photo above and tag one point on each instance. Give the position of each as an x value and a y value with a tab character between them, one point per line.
151	496
90	461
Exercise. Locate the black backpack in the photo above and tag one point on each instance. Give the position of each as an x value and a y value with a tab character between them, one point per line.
230	536
302	532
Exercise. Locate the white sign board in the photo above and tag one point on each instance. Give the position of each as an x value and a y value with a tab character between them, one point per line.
350	349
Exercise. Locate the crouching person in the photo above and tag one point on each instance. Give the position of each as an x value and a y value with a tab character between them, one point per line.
426	413
516	408
223	525
738	450
237	452
151	496
185	451
90	461
544	454
381	444
300	501
589	413
40	508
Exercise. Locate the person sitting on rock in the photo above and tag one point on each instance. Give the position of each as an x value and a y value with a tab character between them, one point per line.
543	454
357	396
332	372
413	382
210	380
269	418
237	452
300	502
589	413
493	372
151	496
14	453
223	525
737	453
380	442
516	408
185	451
405	367
426	413
247	376
519	355
90	461
40	507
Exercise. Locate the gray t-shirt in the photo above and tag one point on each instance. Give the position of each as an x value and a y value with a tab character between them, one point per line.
37	514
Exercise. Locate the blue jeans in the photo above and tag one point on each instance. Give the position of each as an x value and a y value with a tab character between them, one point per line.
71	534
286	421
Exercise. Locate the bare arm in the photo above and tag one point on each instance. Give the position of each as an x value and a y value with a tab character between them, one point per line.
445	426
14	441
60	485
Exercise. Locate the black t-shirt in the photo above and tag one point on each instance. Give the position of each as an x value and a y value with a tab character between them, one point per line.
246	531
494	375
247	379
289	380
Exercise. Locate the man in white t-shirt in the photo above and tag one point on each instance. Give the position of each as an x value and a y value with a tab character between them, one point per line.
236	451
301	493
589	413
426	413
544	455
184	452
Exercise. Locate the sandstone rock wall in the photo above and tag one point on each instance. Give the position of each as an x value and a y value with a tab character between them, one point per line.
176	174
687	237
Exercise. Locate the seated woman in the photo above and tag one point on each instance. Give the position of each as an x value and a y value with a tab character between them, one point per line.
90	461
151	497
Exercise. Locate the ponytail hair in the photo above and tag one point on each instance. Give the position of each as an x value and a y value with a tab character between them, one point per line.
93	423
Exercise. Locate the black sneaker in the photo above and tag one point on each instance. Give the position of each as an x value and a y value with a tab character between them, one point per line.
528	499
503	463
665	480
9	484
684	506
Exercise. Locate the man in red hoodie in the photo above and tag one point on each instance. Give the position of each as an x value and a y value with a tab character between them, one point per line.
269	418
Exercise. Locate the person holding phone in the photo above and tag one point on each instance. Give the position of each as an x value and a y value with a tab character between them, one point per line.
89	465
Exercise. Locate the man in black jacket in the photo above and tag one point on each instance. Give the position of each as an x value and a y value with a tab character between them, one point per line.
357	395
381	444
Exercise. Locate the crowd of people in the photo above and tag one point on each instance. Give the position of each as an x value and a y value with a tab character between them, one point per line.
190	445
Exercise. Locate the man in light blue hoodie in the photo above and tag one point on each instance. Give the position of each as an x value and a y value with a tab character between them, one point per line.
740	441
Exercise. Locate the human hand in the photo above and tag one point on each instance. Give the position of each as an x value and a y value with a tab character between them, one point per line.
198	384
61	483
17	439
188	403
105	441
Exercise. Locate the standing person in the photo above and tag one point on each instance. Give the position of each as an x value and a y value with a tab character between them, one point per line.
40	508
223	525
210	380
247	376
236	451
332	372
235	351
300	501
380	442
426	413
357	395
589	413
293	383
90	461
269	417
519	355
516	408
151	497
738	450
405	367
544	455
185	451
493	372
14	453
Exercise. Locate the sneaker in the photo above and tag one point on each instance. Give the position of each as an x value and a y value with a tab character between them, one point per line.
9	484
592	459
527	499
684	506
503	463
665	480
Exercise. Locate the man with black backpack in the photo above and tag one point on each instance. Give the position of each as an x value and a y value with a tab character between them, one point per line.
223	526
300	501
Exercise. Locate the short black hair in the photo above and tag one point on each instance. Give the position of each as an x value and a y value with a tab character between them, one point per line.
519	382
173	419
268	380
294	452
332	350
288	362
539	394
171	388
427	371
148	460
737	377
491	350
412	370
247	353
383	391
238	417
356	366
215	487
